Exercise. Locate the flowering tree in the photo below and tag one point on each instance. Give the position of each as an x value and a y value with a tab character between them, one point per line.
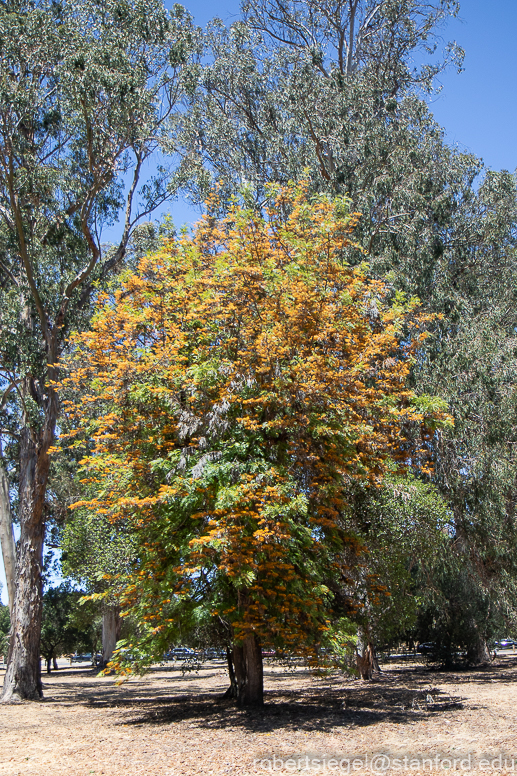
234	391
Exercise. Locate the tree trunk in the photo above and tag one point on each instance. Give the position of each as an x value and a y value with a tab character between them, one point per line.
49	664
240	670
249	674
6	537
478	653
22	679
110	633
231	692
366	659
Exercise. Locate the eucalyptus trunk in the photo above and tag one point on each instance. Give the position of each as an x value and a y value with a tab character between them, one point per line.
366	659
22	679
478	653
232	691
110	632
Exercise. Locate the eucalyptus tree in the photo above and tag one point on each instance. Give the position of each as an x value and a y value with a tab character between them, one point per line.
85	91
328	90
472	364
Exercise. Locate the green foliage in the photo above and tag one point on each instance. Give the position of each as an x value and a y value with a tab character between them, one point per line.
85	91
404	527
62	630
87	95
339	645
5	624
85	618
457	613
234	391
95	552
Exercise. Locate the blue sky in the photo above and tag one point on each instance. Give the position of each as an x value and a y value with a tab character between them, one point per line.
477	108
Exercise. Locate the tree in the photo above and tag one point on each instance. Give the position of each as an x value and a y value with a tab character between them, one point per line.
405	527
95	554
332	88
234	390
7	543
58	634
472	595
278	96
85	89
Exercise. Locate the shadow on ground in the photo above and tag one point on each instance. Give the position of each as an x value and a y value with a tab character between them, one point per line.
402	695
314	710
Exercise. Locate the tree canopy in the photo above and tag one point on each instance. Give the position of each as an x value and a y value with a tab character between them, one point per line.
337	89
234	390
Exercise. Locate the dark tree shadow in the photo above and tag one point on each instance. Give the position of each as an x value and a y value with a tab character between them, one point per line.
401	695
398	696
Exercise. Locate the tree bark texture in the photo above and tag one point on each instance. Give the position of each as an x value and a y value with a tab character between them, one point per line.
478	653
366	659
7	538
110	632
22	679
249	672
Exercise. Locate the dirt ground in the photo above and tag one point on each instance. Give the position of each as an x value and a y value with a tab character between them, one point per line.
410	719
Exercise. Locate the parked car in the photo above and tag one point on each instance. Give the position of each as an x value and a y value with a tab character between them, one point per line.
179	653
213	654
268	653
504	644
426	648
86	657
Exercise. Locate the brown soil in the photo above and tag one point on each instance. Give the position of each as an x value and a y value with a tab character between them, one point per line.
167	724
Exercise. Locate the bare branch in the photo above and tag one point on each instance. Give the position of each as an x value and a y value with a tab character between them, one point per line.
11	387
9	273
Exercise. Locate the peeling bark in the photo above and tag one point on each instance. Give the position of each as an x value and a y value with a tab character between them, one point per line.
7	538
22	679
366	659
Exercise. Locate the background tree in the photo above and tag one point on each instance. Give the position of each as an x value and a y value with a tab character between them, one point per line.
5	624
473	593
235	389
59	632
96	554
405	527
85	90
